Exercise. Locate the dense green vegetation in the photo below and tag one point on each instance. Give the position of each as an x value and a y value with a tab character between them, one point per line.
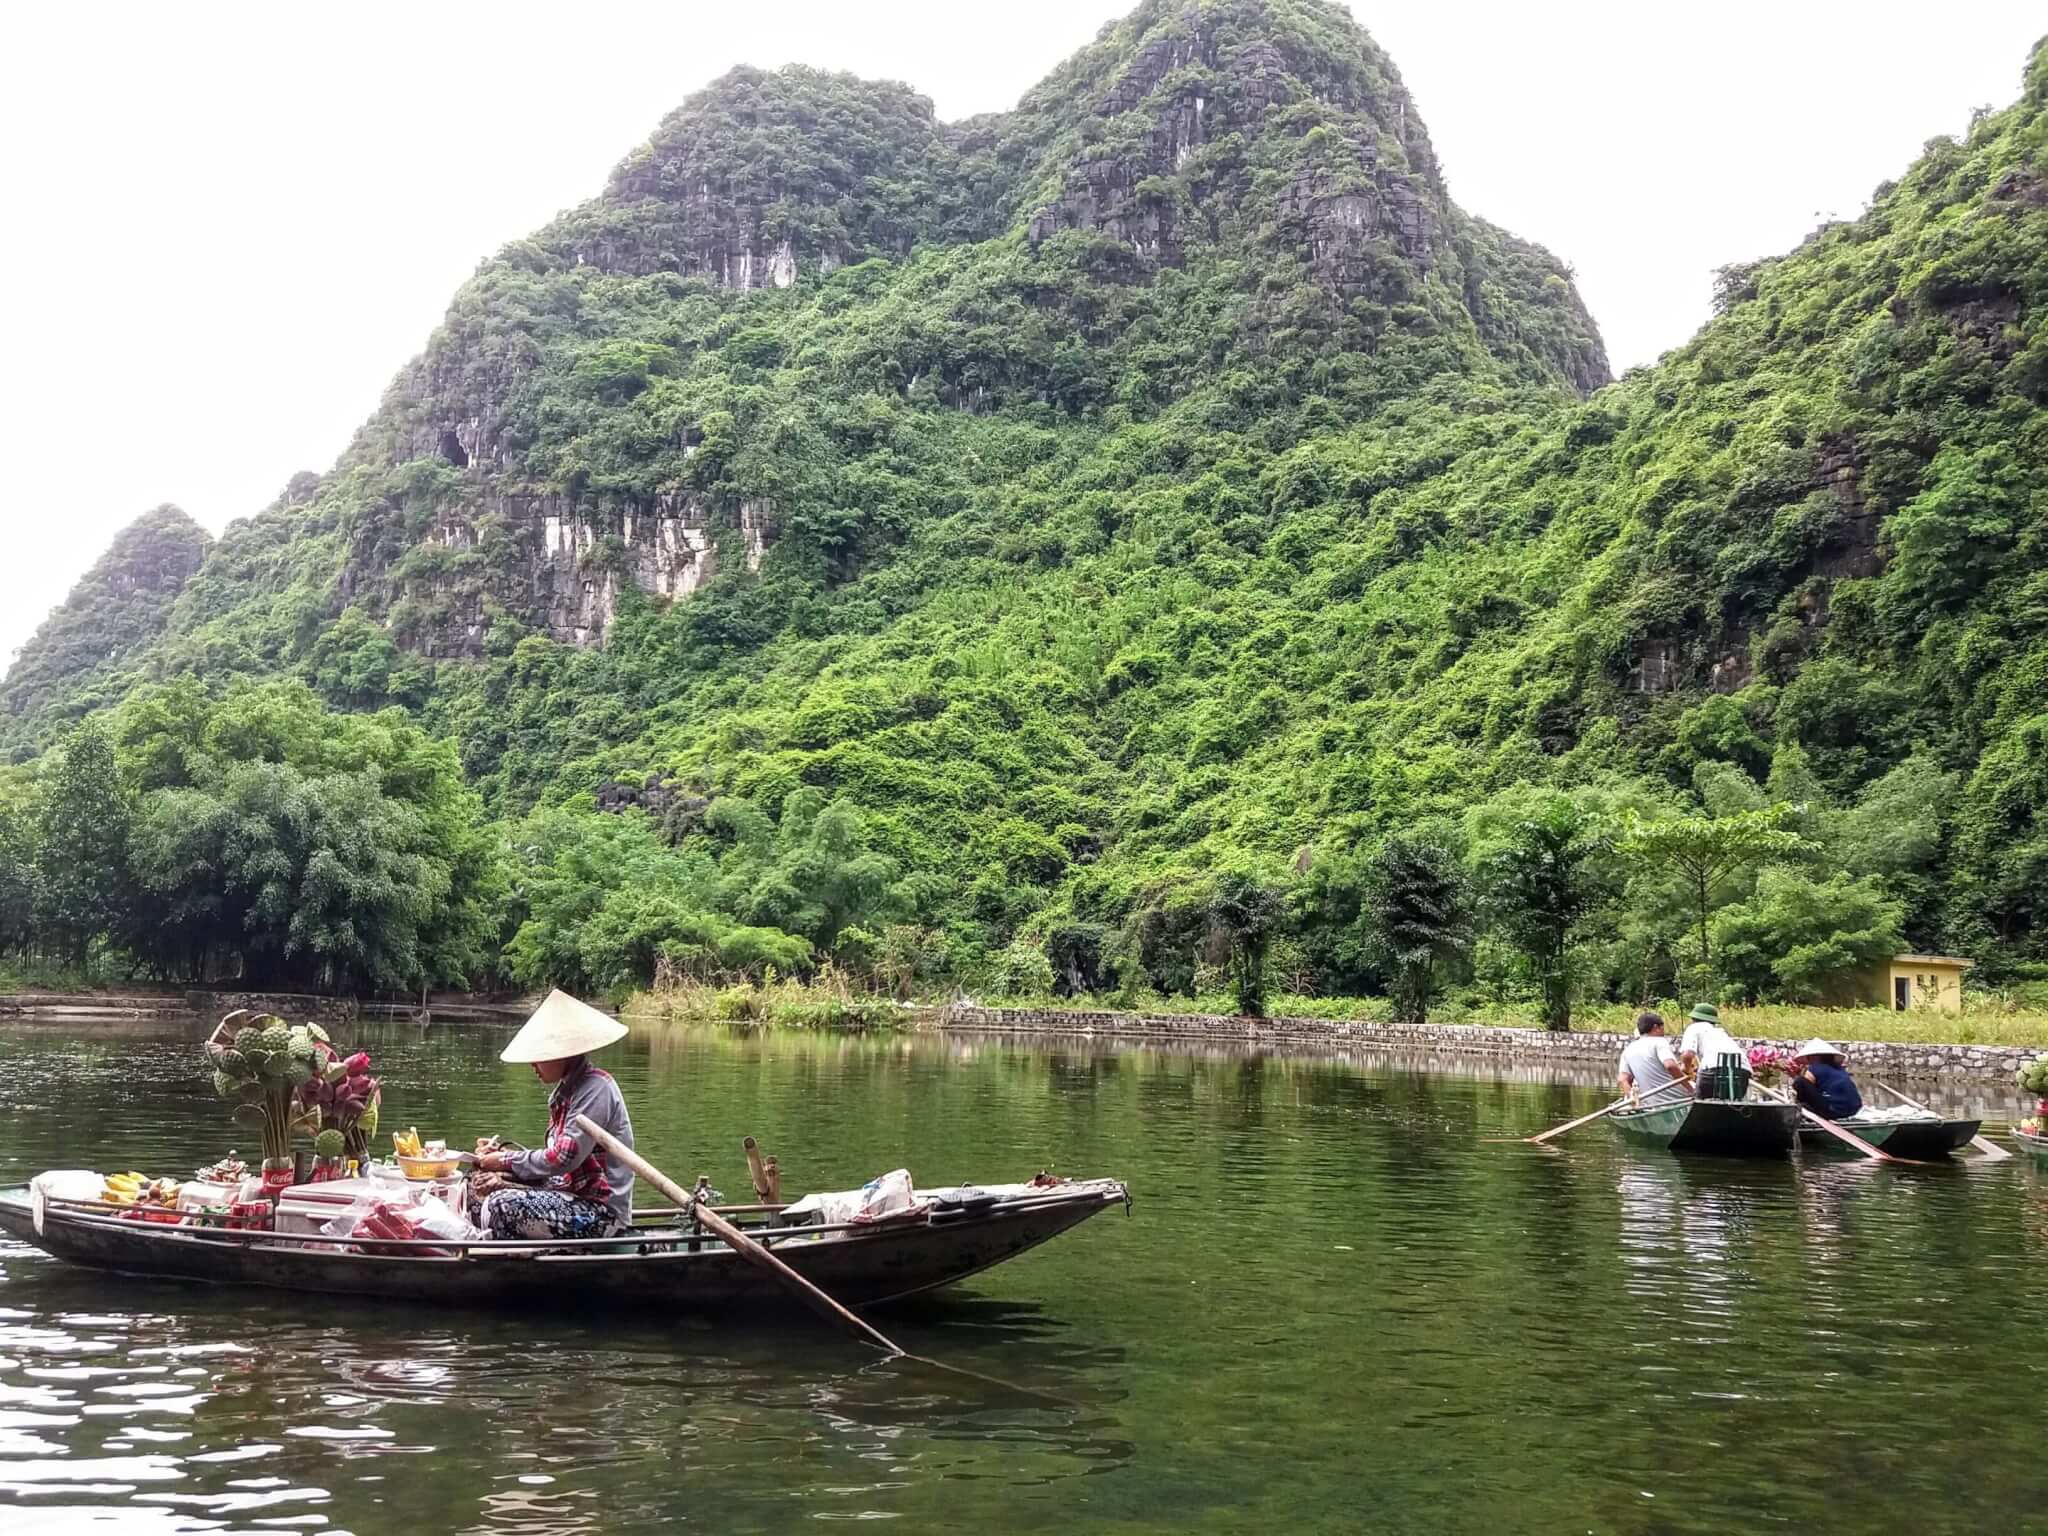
1157	521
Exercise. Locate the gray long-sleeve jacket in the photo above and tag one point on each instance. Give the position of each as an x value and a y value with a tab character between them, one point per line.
570	1159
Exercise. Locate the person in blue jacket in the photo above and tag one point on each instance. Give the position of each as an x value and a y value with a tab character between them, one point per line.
1822	1083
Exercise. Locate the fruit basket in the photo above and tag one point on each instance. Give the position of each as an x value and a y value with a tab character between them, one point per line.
429	1166
423	1160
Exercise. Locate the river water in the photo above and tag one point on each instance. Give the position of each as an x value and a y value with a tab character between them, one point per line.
1333	1307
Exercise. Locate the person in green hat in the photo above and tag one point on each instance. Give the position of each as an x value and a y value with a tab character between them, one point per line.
1711	1057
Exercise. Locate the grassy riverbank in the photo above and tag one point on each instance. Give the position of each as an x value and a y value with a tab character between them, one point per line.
1984	1020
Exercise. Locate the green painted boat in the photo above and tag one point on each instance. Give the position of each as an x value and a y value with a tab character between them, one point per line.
2037	1145
1726	1127
1920	1140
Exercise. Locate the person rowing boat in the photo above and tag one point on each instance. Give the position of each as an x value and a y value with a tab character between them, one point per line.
1711	1056
1648	1065
1821	1081
566	1187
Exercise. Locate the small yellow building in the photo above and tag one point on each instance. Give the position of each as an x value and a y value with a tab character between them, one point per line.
1916	981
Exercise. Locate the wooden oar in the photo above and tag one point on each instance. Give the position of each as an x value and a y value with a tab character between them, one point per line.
767	1177
757	1253
1993	1152
739	1242
1836	1131
1572	1125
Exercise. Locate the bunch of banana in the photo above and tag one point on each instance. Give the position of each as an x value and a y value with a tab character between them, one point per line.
407	1142
124	1188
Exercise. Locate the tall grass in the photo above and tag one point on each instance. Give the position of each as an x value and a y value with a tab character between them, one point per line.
820	1005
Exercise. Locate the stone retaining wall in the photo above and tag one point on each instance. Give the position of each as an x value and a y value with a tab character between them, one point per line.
1869	1058
293	1007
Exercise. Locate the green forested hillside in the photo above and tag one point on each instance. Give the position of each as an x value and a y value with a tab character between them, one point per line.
1069	544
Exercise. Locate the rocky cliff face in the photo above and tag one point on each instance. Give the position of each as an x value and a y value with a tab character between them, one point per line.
766	174
1178	128
560	563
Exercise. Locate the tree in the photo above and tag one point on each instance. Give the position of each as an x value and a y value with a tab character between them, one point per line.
1539	891
1415	918
296	847
1020	970
18	824
1707	851
1797	935
1243	914
82	846
820	877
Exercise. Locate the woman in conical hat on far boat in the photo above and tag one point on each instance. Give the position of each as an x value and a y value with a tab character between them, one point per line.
1821	1081
566	1187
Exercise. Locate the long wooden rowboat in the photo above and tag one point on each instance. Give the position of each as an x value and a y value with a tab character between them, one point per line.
669	1266
1729	1127
1920	1140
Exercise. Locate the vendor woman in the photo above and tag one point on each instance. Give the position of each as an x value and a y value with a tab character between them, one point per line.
566	1187
1822	1082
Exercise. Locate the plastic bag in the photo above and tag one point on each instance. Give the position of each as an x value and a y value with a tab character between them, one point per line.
437	1217
888	1195
70	1184
880	1199
345	1221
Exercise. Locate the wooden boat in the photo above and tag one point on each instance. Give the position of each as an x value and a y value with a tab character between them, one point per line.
674	1267
1728	1127
1920	1140
2037	1145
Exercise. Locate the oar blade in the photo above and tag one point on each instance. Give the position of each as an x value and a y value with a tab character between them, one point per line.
1988	1149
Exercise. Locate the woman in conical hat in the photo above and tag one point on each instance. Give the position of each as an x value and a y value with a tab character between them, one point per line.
566	1187
1822	1083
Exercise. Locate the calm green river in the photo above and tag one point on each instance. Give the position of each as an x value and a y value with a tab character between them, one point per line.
1332	1308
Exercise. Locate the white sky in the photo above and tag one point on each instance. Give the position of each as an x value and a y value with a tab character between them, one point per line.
227	225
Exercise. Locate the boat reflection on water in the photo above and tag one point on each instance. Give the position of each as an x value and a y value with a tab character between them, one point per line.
294	1415
1691	1231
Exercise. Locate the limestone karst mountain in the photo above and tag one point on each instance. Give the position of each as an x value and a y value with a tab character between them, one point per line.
1168	474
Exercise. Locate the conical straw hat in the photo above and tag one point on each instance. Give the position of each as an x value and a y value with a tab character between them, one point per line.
561	1027
1816	1048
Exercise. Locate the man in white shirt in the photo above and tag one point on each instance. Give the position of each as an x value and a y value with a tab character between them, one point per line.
1702	1052
1649	1063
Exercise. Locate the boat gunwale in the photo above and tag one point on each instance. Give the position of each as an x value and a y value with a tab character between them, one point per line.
1886	1129
1625	1118
666	1242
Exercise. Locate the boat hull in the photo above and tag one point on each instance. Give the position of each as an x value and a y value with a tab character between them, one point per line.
1722	1127
2036	1146
1921	1140
893	1261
